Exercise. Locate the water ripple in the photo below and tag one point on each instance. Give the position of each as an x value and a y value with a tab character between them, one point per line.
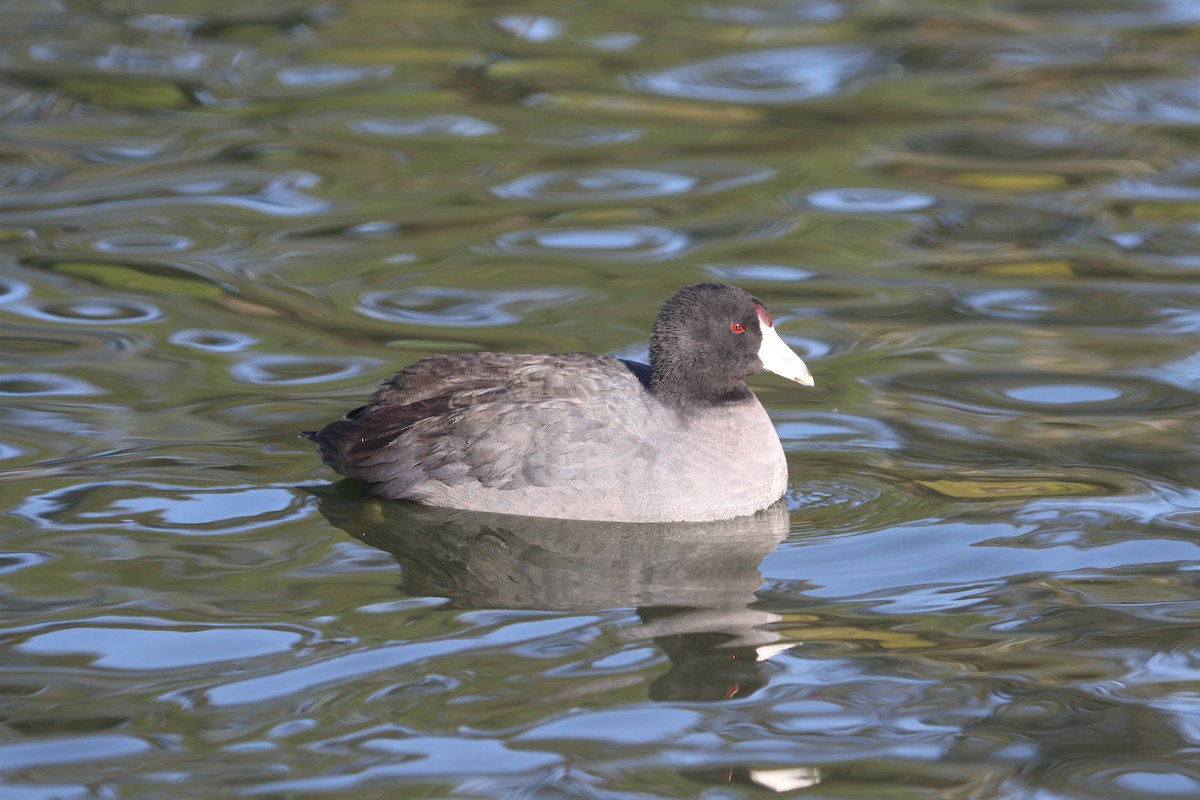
142	243
44	384
814	494
1005	225
776	12
1072	306
588	136
13	176
863	200
1176	245
101	140
147	506
343	665
367	127
774	273
158	648
19	757
630	183
273	194
13	101
405	759
12	289
1017	157
431	125
454	308
1179	185
291	370
72	57
839	432
89	311
1133	14
213	341
597	184
1019	393
13	561
531	27
862	503
1161	101
308	76
68	347
785	75
1126	776
1018	143
616	243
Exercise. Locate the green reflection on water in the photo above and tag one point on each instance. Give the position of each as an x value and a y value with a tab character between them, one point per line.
220	225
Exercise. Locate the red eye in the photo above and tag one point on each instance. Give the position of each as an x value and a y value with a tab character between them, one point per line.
737	327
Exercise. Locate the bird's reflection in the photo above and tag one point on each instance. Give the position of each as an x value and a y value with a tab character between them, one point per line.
693	584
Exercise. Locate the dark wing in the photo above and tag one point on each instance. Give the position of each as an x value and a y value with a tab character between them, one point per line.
494	421
424	389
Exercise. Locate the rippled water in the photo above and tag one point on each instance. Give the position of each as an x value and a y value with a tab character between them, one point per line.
223	223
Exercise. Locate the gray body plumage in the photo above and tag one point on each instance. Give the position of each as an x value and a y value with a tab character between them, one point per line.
576	436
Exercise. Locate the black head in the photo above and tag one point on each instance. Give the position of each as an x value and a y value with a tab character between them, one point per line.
707	338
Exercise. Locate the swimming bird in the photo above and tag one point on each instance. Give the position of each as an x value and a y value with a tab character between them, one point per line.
584	436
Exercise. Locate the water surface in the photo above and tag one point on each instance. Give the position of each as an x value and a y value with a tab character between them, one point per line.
223	223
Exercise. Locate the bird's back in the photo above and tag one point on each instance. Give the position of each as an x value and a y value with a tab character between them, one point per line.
524	434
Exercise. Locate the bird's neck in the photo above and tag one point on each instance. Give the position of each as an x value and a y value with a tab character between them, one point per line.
684	391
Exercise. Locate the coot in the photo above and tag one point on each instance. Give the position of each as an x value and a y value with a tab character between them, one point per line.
583	436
